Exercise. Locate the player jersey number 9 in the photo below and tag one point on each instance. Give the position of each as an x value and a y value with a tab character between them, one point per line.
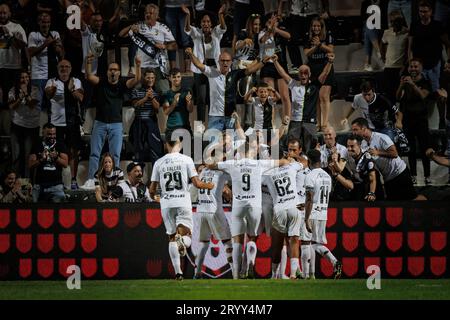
246	182
173	180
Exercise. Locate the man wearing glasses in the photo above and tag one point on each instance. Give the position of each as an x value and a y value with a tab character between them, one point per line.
223	87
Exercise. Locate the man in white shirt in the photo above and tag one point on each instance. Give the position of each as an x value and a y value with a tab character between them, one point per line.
396	176
173	173
318	188
331	146
12	40
153	39
223	88
45	49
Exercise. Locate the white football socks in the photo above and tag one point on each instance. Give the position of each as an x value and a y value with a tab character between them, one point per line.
325	252
294	266
175	257
251	253
312	261
283	262
201	256
237	259
306	258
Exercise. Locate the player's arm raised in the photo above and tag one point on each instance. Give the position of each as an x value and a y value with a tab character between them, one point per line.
199	184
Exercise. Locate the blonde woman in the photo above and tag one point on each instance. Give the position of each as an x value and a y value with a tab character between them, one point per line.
318	49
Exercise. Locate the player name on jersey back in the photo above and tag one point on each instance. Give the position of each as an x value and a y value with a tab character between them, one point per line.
246	176
211	200
173	172
283	187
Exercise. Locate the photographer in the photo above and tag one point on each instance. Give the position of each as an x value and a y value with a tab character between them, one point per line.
47	159
134	190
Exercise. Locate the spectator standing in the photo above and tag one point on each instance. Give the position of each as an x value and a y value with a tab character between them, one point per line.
12	41
107	178
175	18
270	44
404	6
301	12
45	49
47	159
394	52
177	105
318	48
426	38
65	94
396	176
108	119
305	98
144	132
207	49
153	39
25	122
371	36
412	94
223	88
341	177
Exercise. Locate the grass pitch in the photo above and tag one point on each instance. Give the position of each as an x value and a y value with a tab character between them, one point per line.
228	290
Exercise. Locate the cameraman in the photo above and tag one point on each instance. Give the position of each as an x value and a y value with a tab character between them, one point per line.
134	190
47	159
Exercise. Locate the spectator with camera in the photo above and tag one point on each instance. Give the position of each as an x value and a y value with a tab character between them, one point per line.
133	189
366	179
107	179
47	159
11	190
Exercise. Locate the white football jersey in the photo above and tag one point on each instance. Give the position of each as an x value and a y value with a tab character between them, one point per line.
246	176
174	172
266	196
301	176
319	183
211	200
282	185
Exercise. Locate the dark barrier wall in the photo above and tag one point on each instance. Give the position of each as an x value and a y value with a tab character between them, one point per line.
124	241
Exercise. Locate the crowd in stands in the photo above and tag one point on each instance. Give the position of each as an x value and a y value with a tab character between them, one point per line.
260	76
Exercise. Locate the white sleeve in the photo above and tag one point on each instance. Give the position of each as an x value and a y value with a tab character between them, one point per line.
384	38
77	84
224	165
292	84
32	40
266	164
210	72
49	82
385	142
191	169
22	32
55	35
194	33
168	36
155	172
218	31
309	183
355	104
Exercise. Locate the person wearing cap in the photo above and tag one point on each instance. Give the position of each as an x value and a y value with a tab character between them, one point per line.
133	189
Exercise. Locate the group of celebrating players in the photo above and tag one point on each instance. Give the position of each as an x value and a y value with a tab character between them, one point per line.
286	198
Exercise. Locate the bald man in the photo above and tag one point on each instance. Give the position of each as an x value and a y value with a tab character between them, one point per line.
330	146
304	95
108	118
223	87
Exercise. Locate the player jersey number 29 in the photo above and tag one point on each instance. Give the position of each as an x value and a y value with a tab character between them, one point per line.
173	180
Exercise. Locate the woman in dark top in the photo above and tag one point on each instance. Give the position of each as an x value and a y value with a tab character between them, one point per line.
319	46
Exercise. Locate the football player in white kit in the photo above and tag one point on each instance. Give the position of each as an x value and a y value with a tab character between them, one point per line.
212	217
308	255
281	182
318	188
246	175
173	172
